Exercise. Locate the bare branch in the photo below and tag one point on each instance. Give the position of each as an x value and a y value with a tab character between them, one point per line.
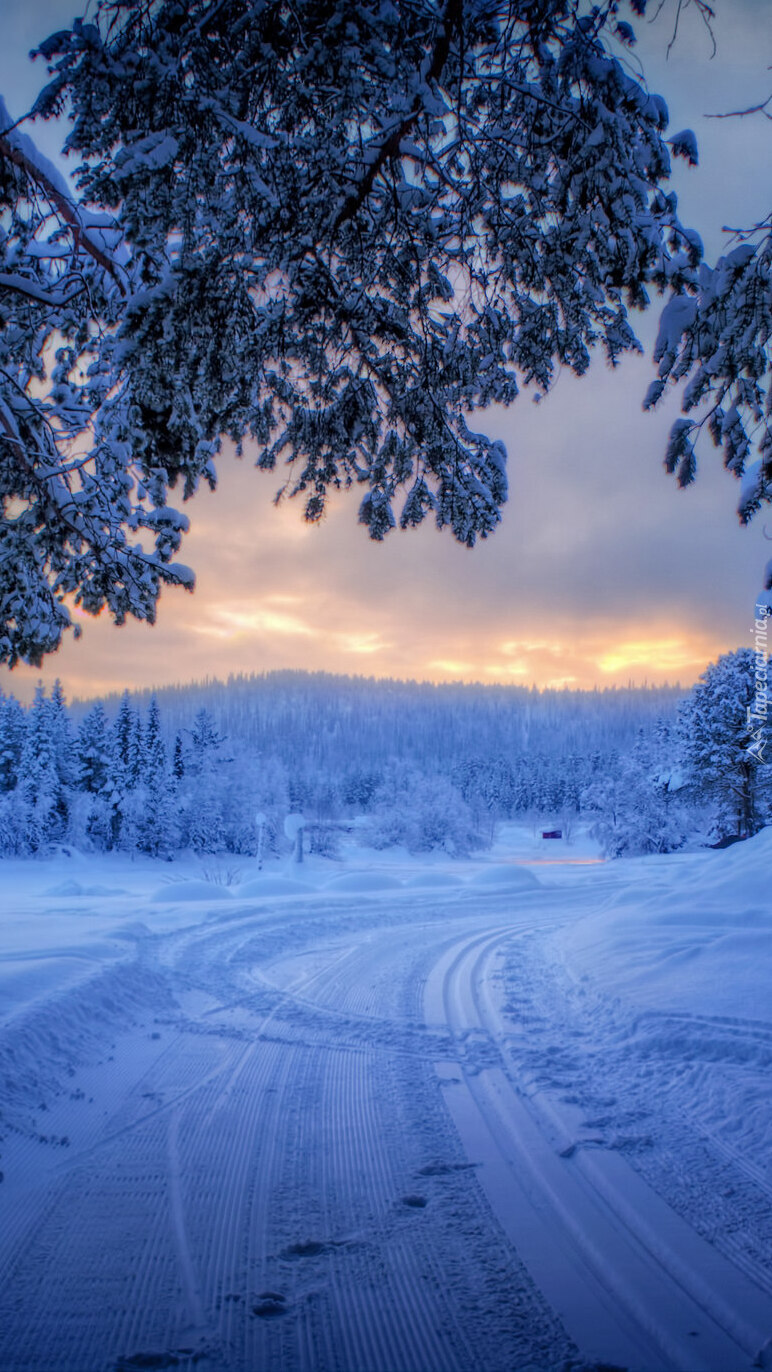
761	108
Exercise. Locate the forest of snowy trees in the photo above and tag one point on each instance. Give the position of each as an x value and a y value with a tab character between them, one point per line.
217	767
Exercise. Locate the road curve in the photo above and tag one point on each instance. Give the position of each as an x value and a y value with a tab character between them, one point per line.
302	1137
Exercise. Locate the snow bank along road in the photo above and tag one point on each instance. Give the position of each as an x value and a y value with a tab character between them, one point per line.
370	1133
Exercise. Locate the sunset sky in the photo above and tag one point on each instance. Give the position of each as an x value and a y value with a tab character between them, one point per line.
602	571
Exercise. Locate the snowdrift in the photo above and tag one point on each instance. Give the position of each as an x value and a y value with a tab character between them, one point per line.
272	886
516	878
191	890
363	883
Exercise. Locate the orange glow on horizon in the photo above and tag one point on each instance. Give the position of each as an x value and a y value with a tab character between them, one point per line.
315	634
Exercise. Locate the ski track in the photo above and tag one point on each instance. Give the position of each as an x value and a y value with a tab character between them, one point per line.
360	1136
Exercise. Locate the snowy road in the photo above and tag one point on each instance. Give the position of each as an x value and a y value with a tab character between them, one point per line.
359	1133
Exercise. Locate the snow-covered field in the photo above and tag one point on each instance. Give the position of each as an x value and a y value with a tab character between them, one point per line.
385	1115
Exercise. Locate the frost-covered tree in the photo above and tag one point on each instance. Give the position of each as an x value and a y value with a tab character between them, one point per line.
126	744
358	786
157	827
152	746
205	742
13	725
727	740
62	745
334	230
93	752
638	805
178	761
202	791
40	793
93	817
488	787
203	817
125	758
420	812
70	507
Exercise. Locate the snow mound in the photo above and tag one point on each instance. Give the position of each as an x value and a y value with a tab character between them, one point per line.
191	890
742	870
273	886
363	882
502	875
711	887
76	888
65	1026
434	879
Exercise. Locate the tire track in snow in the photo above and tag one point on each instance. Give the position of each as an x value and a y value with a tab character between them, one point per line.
277	1141
272	1179
667	1076
735	1307
570	1219
192	1290
69	1312
341	1136
361	1148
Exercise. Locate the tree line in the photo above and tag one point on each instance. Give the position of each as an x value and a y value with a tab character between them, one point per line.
131	776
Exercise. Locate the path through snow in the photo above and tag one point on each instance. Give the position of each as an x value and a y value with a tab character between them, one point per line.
422	1130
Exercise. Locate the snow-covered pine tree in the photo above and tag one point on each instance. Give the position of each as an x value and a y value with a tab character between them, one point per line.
38	793
153	761
124	773
391	215
202	809
13	724
93	752
92	811
178	761
15	818
205	742
639	806
727	742
488	787
64	764
158	829
358	787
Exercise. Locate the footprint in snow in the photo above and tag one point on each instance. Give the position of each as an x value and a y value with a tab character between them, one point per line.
415	1202
310	1248
314	1248
270	1304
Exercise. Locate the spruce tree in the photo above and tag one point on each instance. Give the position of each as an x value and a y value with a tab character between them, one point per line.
727	741
93	752
158	830
124	769
13	725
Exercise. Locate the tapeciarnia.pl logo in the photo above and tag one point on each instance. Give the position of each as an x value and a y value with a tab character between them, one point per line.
758	712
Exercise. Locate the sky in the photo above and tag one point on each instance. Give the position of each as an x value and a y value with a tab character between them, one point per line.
602	572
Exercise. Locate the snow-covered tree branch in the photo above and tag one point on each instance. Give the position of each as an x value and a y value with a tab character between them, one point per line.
335	231
69	498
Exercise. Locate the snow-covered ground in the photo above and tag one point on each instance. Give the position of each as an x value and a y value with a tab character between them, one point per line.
385	1114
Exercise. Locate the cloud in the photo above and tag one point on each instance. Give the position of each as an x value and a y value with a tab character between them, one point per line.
231	623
